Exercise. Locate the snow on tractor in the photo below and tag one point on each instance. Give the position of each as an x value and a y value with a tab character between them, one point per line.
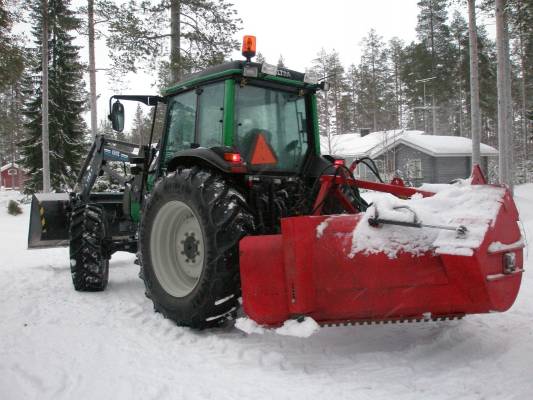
236	201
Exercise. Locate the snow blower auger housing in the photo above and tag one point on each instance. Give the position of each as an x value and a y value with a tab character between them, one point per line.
236	200
363	268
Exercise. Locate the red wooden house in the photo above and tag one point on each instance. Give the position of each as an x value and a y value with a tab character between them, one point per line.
12	176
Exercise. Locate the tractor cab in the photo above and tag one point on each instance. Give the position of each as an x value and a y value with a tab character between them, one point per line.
268	120
241	116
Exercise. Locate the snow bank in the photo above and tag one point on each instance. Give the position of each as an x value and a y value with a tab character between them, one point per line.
292	327
297	328
249	326
472	206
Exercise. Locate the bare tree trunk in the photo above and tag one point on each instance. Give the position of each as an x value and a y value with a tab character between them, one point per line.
45	144
434	114
92	68
175	45
524	100
503	82
460	107
509	108
374	105
460	85
475	112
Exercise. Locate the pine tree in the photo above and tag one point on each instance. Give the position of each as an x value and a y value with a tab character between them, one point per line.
140	132
521	23
459	32
320	67
375	95
432	29
351	98
11	127
12	56
66	102
434	35
12	62
332	110
199	33
396	59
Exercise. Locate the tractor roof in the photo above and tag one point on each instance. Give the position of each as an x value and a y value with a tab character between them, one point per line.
235	68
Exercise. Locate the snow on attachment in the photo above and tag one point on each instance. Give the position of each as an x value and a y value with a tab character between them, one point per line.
475	207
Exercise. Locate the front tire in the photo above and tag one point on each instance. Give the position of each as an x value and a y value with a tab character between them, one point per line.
189	236
89	260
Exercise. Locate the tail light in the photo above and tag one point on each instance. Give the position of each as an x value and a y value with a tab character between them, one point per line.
234	158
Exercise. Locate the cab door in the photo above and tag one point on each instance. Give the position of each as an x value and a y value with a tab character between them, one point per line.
195	119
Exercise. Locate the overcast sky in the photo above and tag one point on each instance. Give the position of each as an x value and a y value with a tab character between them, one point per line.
297	29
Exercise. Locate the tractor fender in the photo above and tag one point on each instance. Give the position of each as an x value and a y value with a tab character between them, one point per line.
200	156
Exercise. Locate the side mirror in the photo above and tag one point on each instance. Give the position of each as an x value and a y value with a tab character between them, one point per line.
324	86
117	116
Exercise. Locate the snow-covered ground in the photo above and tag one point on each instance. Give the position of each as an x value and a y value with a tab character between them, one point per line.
56	343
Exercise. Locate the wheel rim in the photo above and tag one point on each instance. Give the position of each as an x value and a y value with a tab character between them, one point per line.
177	248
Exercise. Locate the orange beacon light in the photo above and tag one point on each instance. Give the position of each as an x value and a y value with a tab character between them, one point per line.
248	47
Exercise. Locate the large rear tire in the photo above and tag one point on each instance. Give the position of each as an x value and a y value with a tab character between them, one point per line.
89	259
189	236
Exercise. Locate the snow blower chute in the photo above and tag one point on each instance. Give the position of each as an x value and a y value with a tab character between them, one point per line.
385	264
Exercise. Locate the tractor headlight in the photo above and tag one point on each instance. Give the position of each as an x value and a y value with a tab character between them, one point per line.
250	71
311	77
269	69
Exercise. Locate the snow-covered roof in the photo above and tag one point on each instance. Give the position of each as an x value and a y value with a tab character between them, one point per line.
352	144
376	143
441	146
8	166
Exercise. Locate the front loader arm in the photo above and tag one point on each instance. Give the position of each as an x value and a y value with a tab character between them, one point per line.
102	150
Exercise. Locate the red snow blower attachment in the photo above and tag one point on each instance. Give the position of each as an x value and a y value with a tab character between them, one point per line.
437	253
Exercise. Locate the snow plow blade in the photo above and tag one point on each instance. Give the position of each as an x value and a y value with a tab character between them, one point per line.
339	269
49	222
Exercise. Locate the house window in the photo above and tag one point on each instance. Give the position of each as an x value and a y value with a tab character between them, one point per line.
380	166
414	169
360	171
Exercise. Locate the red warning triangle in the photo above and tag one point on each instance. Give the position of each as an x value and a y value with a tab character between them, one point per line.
262	153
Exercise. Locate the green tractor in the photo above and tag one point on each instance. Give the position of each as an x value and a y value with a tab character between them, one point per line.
235	201
239	150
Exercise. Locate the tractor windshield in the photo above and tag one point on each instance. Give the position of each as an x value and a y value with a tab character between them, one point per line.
271	128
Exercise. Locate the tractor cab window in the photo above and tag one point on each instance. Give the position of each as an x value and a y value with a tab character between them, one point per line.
210	114
182	123
195	119
271	129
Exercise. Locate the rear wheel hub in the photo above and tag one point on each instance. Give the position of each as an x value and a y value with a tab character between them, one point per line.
190	247
177	248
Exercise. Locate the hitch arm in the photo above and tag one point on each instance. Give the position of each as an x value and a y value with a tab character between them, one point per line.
461	230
